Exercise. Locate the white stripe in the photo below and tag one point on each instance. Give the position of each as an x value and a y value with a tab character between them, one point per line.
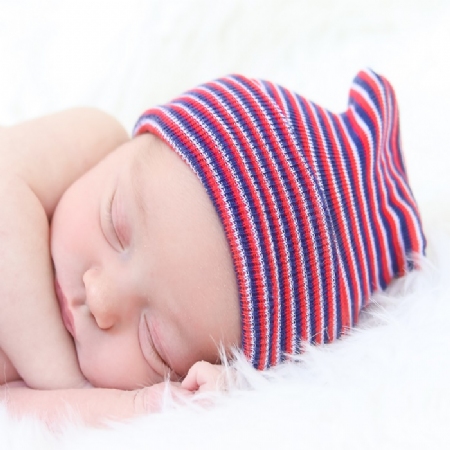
296	322
374	151
397	179
317	171
319	176
295	176
359	236
345	216
377	151
386	152
278	218
359	187
268	119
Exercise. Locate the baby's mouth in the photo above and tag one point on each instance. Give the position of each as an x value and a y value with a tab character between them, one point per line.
66	314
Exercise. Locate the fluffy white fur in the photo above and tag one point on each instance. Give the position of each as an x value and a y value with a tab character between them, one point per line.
387	384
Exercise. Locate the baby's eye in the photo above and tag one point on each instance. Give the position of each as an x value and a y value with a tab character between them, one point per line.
112	221
150	350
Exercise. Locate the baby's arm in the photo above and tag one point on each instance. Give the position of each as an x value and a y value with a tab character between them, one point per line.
38	161
31	331
95	406
92	406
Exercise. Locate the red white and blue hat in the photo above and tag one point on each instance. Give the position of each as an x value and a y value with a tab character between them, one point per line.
316	206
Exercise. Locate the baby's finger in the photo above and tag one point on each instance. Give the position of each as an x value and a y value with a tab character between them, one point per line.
202	376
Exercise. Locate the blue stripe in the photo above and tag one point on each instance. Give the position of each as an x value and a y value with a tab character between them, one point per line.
355	219
336	214
400	185
369	220
259	129
379	172
300	211
297	289
307	210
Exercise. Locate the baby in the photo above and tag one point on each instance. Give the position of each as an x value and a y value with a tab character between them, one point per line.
240	215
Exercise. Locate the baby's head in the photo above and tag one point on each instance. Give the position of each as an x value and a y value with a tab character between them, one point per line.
143	268
242	215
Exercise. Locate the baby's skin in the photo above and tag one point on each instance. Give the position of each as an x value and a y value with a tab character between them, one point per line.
116	273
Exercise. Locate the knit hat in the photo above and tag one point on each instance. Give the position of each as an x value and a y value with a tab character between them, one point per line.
316	206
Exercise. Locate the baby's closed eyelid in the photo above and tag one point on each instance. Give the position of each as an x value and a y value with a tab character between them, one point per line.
154	339
149	351
107	223
120	221
105	218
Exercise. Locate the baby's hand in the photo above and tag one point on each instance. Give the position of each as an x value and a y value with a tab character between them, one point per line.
203	377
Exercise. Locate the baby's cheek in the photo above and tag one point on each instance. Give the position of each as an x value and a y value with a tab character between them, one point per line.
107	368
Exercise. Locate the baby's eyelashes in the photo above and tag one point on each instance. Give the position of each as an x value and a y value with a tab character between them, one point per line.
119	220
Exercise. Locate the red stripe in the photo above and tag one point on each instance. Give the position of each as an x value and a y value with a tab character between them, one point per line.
398	171
343	189
281	252
359	195
345	300
385	148
300	124
321	154
371	185
360	245
323	227
382	172
327	256
265	191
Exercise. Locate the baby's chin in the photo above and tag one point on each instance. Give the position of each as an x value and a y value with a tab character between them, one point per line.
98	379
93	375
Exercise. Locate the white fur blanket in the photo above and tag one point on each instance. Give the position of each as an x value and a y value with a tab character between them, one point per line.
387	385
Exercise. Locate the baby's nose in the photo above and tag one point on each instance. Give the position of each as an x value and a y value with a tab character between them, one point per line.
100	298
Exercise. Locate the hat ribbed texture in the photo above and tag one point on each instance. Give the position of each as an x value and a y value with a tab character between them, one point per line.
316	206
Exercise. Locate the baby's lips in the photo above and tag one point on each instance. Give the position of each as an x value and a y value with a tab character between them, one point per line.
66	314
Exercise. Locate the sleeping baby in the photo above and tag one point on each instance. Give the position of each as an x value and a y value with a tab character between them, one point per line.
239	216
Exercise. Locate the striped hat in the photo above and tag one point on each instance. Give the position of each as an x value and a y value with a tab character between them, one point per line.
316	206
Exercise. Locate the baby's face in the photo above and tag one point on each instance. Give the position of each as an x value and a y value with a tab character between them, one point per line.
144	269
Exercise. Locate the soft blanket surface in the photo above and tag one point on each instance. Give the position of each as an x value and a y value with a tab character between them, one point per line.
387	384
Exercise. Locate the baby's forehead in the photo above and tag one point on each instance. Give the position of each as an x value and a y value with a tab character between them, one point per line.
138	168
140	153
141	148
154	165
